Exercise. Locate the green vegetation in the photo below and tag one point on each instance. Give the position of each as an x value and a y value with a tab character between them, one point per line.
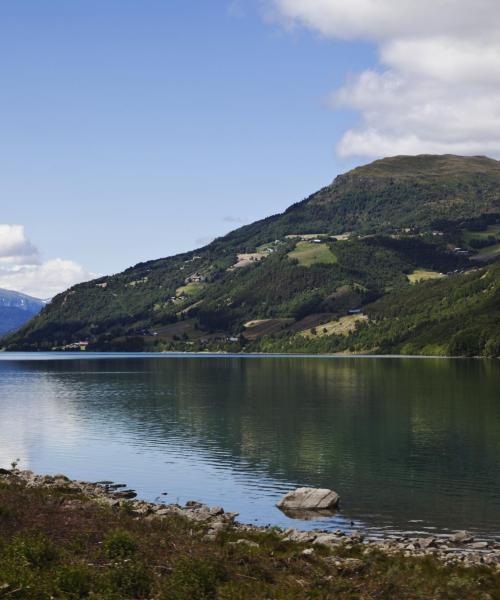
457	316
488	252
409	219
423	275
55	544
190	289
490	232
343	326
310	253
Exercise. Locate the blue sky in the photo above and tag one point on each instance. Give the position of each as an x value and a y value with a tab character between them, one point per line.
132	130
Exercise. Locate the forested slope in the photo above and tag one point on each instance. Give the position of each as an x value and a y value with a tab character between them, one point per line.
364	245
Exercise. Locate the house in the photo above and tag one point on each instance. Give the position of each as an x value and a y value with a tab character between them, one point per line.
82	345
195	278
355	311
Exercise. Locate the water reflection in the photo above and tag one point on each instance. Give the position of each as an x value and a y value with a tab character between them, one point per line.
407	443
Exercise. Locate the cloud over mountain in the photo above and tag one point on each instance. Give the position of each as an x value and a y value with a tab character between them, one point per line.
437	85
23	270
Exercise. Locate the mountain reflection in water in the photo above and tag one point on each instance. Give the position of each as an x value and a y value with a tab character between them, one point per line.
409	444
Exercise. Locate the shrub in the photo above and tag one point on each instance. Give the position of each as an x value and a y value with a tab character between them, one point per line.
194	579
5	513
34	550
131	580
120	544
75	581
466	343
492	348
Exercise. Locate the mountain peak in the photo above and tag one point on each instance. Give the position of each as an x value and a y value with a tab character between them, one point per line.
430	166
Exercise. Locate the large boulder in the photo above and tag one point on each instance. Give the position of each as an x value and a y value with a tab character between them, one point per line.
309	499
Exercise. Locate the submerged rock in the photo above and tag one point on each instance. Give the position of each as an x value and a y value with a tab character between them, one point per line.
309	499
479	545
125	495
461	537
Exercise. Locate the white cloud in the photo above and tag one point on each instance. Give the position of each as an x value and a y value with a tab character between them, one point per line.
386	19
437	87
22	270
14	247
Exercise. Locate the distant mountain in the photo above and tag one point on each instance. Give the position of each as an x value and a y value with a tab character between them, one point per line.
393	246
16	309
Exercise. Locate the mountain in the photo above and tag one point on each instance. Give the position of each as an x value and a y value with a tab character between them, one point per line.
16	309
372	262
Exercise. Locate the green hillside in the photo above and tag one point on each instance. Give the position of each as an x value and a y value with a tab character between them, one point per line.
456	316
408	241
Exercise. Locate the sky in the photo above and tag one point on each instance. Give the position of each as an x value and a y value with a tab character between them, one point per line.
133	130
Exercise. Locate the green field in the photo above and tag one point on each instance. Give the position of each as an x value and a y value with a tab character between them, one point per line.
309	253
492	230
190	289
343	326
488	253
423	275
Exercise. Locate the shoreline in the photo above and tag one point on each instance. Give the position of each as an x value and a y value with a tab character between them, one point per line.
91	354
457	549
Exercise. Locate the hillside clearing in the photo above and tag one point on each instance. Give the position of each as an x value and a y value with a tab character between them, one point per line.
190	289
245	260
344	326
488	253
305	236
491	230
420	275
309	253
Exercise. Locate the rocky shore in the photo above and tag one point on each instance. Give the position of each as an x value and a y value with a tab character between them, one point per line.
459	548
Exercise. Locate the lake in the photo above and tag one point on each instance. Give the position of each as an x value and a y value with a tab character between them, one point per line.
409	444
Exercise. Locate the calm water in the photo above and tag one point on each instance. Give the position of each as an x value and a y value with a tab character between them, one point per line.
409	444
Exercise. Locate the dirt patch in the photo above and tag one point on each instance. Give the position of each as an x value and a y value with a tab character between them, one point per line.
343	326
245	260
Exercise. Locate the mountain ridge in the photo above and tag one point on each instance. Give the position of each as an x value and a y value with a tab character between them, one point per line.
363	237
16	309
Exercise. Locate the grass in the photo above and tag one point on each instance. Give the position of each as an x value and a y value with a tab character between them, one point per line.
264	248
491	230
305	236
190	289
424	275
309	253
342	326
59	545
487	253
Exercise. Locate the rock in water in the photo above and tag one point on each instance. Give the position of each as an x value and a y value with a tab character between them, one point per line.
461	537
309	499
